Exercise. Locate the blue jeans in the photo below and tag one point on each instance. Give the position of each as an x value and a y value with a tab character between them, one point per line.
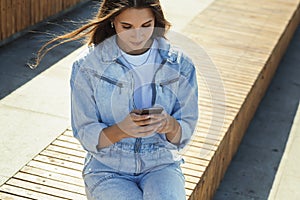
165	183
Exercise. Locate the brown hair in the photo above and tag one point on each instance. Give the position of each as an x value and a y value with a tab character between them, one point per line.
99	28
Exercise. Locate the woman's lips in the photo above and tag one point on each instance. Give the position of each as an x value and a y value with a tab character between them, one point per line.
136	43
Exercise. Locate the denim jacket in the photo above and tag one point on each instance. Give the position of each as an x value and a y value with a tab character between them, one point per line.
102	95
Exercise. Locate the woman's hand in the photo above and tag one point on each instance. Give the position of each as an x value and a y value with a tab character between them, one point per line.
170	127
135	125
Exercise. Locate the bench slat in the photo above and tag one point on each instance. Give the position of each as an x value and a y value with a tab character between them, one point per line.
53	175
44	190
51	183
25	192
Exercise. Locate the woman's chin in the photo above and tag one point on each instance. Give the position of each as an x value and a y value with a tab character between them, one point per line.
136	49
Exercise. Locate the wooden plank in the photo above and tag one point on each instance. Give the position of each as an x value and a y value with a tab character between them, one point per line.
13	17
18	15
190	172
206	132
194	167
69	139
32	13
191	179
9	14
4	32
68	145
24	192
59	162
37	11
49	8
54	169
41	10
219	101
50	183
66	157
202	153
1	23
72	152
7	196
206	140
217	119
189	185
25	20
188	192
196	160
47	191
53	175
202	145
68	133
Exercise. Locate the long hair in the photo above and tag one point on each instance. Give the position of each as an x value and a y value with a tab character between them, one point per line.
99	28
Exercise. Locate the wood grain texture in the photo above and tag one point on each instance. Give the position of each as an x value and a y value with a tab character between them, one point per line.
17	15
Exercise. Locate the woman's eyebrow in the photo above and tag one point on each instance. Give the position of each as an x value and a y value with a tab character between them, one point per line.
128	24
148	21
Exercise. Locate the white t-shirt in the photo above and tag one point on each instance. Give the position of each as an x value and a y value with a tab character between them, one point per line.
143	67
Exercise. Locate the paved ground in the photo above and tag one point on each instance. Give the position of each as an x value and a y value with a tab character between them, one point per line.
34	109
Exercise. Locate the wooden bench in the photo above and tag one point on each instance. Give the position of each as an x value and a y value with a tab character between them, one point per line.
246	40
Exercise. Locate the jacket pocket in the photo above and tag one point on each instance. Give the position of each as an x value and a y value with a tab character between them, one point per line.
167	82
112	97
112	81
171	84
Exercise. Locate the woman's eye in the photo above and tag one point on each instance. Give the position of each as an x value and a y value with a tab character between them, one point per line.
126	27
146	25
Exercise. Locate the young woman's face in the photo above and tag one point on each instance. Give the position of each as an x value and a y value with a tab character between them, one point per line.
134	28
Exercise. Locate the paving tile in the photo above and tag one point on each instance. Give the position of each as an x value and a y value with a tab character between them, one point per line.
23	135
44	94
176	11
3	179
287	180
288	189
293	160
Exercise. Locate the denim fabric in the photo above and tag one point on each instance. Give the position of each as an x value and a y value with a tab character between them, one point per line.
102	91
104	183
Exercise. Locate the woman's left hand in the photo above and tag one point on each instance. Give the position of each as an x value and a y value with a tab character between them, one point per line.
169	126
168	123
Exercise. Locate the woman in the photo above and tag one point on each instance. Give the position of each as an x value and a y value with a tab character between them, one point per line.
128	66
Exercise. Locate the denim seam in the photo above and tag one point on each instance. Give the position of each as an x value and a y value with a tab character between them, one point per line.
101	181
86	164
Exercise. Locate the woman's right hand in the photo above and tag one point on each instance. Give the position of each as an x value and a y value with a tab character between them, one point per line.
135	126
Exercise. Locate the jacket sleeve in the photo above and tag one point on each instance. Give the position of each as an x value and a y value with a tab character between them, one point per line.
186	108
85	117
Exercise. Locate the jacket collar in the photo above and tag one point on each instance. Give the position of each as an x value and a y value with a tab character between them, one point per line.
108	51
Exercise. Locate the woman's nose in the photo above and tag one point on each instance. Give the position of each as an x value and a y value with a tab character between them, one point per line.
137	34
